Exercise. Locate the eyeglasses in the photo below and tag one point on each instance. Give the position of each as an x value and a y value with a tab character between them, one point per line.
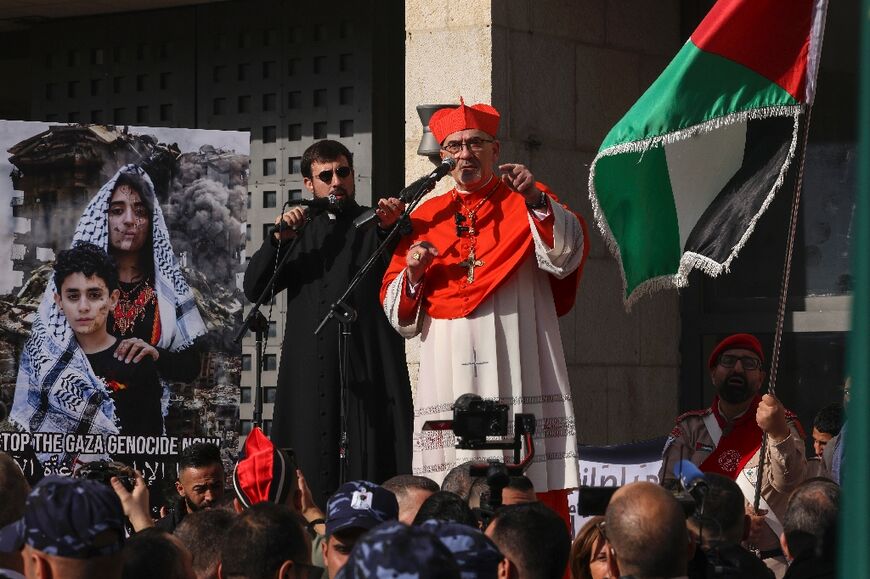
748	362
475	145
326	176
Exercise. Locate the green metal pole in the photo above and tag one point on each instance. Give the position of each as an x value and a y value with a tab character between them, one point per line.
854	555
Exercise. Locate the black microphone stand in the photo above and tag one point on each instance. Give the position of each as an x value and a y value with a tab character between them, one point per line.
257	322
346	314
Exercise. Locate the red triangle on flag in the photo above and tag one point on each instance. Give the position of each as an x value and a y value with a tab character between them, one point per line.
771	37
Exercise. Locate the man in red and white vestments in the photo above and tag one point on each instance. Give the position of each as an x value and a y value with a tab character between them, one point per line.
482	279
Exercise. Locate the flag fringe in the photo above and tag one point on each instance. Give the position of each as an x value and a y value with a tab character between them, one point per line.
689	260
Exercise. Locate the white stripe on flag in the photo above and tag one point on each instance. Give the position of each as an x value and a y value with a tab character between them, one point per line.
699	168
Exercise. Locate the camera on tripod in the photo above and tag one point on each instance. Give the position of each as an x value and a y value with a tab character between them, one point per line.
475	419
480	424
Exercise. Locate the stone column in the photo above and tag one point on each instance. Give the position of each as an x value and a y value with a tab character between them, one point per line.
562	72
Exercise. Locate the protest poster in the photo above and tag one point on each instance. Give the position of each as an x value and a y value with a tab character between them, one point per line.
59	186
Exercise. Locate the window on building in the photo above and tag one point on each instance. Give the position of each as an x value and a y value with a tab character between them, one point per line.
245	426
270	102
292	66
294	165
294	99
345	62
345	29
246	362
270	167
244	71
270	134
270	199
320	97
245	395
345	128
320	130
269	68
319	64
244	104
270	37
294	132
270	362
166	112
345	95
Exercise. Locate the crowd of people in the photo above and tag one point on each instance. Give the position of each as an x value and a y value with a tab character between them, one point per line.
268	525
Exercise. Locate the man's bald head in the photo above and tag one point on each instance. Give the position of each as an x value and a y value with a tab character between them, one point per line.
647	529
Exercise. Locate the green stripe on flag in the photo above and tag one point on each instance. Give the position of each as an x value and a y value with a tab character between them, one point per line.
629	214
696	87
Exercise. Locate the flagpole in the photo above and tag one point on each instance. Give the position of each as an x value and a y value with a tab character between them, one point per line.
783	296
786	270
854	533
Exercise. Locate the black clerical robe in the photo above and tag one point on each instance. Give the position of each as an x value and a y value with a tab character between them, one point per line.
306	413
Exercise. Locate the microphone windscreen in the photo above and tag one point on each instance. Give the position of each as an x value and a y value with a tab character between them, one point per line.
688	473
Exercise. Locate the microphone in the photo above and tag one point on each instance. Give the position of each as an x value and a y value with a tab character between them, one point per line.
693	480
318	203
445	167
406	195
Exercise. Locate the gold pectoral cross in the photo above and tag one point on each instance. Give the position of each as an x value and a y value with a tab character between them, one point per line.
470	264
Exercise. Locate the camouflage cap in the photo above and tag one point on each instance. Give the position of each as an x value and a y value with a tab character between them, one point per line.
475	553
360	504
68	517
394	549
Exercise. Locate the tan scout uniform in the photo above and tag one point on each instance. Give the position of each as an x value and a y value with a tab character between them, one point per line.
785	466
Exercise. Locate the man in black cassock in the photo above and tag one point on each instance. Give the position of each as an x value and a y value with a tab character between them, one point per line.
329	252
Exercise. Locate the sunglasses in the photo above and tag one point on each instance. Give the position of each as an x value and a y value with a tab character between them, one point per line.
326	176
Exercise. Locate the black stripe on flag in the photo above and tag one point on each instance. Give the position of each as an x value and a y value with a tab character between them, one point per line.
725	221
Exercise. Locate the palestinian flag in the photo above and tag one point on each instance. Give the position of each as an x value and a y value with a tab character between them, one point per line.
680	182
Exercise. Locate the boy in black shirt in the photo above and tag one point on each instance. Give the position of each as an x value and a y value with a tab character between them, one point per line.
86	279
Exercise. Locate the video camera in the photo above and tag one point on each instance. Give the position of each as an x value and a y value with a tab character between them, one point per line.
476	422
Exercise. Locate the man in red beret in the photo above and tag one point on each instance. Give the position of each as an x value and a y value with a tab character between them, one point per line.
726	439
485	274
